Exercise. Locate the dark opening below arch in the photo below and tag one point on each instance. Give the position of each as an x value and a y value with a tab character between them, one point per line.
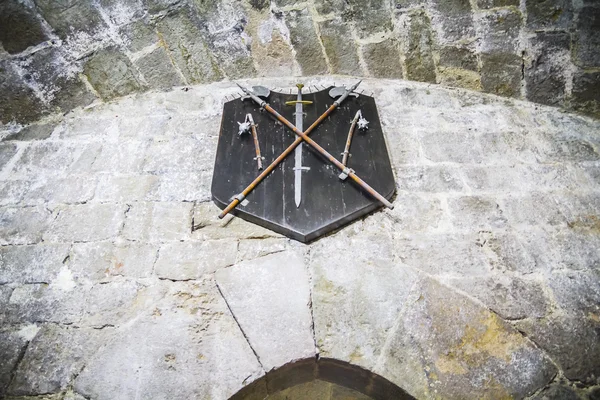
338	373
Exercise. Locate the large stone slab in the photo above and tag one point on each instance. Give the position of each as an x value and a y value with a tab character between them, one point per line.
86	223
31	264
270	299
358	292
188	336
445	343
22	225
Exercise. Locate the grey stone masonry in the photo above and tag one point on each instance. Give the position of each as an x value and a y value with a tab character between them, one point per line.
56	56
117	279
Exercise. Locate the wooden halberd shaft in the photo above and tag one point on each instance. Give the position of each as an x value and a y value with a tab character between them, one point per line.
346	152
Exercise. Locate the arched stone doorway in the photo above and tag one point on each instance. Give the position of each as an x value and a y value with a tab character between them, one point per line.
322	379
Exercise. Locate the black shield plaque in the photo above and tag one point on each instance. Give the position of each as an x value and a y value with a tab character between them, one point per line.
327	202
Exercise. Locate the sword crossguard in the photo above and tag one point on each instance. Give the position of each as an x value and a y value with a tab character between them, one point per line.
294	102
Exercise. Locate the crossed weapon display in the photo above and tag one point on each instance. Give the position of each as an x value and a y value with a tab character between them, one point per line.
303	136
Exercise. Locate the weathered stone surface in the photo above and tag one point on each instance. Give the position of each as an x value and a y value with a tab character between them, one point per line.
158	221
33	132
7	151
501	74
18	102
56	302
357	294
71	16
497	3
383	59
192	186
31	264
20	27
417	46
587	38
417	213
549	14
44	156
577	293
303	37
429	179
499	31
70	190
158	71
53	358
270	299
585	92
138	35
110	73
22	225
189	335
370	18
510	298
192	260
186	154
578	359
11	347
453	19
85	223
476	213
187	47
124	189
557	391
249	249
342	53
545	76
12	192
128	156
102	261
458	57
446	343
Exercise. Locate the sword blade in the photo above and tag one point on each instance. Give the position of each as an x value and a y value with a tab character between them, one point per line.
298	153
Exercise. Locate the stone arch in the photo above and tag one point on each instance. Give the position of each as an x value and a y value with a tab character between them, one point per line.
322	378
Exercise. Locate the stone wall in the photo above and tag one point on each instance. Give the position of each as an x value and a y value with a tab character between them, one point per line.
57	55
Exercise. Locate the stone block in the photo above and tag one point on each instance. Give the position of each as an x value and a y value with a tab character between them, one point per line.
231	51
458	57
473	213
161	6
436	179
39	303
190	336
12	192
157	70
460	78
102	261
22	225
186	154
121	12
369	20
501	74
454	254
453	20
567	146
31	264
192	260
499	31
306	43
126	189
111	74
487	4
138	35
20	27
270	298
11	347
576	292
533	208
440	146
69	190
7	152
341	50
545	76
445	343
586	89
558	391
71	16
18	102
188	186
417	45
158	222
188	48
587	38
31	132
90	128
556	335
383	59
357	296
511	298
111	303
417	213
85	223
60	352
47	156
550	14
249	249
127	156
145	127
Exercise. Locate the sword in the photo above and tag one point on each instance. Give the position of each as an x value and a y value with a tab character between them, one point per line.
298	168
